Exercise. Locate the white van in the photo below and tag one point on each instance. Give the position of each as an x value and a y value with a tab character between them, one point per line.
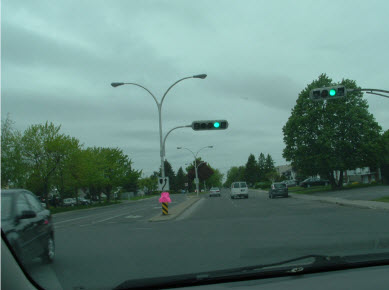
239	189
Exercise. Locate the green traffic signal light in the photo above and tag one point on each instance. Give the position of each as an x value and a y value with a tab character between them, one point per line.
332	92
216	124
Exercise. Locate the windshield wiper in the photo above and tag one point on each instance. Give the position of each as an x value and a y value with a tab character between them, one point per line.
301	265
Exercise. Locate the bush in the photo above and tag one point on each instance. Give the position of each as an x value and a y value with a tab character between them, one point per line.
262	185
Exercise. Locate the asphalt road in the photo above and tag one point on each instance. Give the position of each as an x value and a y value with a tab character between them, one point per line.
103	247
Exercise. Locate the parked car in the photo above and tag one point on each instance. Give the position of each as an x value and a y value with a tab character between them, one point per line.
83	201
290	183
278	189
69	202
214	191
239	189
27	225
314	181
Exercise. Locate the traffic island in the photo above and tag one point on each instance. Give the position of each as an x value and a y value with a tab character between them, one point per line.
175	211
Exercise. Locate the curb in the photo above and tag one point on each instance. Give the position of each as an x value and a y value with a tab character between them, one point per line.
106	206
344	202
175	211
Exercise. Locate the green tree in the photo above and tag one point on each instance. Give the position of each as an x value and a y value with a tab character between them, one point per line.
216	179
261	166
13	165
338	134
45	149
251	170
385	157
148	184
235	173
181	179
269	165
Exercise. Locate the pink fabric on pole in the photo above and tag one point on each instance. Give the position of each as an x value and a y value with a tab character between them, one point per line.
165	197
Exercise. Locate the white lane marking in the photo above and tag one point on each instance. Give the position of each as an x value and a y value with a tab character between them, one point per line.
133	216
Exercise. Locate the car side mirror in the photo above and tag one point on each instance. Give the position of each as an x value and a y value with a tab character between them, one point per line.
27	214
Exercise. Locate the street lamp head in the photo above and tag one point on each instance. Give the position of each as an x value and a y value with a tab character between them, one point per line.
210	146
202	76
116	84
179	147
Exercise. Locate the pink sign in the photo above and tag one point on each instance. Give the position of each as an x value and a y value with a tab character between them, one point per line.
165	197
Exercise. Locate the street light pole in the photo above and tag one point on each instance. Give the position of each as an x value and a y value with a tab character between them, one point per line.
195	163
159	105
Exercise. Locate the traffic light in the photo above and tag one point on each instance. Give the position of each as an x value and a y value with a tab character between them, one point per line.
328	93
210	125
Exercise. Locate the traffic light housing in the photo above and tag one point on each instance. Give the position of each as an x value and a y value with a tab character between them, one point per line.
209	125
328	93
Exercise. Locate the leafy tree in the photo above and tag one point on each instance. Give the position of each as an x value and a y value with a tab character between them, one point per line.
251	170
45	149
130	179
339	134
204	171
385	157
13	165
149	184
216	179
235	173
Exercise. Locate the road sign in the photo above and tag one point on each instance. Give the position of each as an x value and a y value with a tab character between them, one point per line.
196	180
186	184
209	125
163	184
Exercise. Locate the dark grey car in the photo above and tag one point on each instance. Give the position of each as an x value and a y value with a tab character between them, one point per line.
278	189
27	225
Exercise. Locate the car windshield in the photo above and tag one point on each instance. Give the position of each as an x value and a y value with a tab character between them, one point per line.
6	206
174	121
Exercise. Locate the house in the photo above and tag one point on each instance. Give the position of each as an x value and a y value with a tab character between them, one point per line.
287	171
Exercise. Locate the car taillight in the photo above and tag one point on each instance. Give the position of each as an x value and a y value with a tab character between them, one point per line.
46	222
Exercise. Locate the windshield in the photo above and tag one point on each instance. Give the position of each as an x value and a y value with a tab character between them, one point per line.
143	107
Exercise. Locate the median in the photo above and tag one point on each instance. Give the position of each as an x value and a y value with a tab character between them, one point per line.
175	211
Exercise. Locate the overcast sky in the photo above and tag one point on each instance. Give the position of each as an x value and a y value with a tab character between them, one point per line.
58	59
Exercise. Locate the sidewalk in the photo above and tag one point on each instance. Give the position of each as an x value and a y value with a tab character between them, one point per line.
346	202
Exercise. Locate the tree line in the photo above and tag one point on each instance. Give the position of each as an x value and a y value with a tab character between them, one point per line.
44	160
183	179
254	171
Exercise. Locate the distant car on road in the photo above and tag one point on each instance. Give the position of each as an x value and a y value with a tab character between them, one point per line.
239	189
214	191
314	181
27	225
278	189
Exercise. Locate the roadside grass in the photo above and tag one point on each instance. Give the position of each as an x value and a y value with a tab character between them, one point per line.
382	199
144	196
55	210
314	189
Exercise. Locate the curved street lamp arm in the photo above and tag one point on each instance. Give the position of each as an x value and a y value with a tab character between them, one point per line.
135	84
200	150
167	134
190	152
164	95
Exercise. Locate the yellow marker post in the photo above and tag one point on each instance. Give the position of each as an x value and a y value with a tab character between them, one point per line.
165	208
